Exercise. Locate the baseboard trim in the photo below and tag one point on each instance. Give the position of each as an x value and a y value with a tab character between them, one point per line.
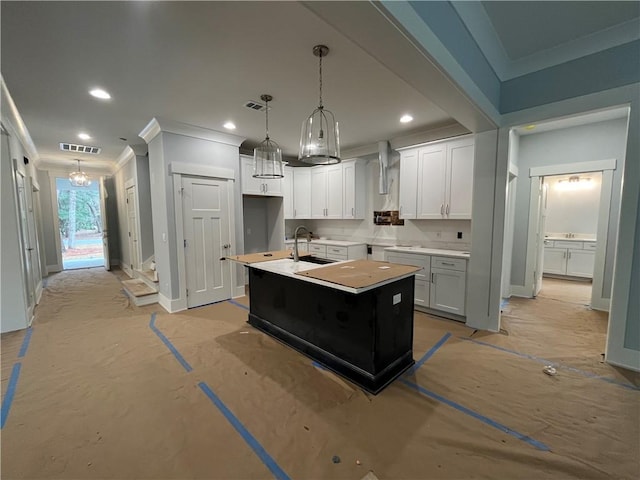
172	306
238	291
521	291
54	268
601	304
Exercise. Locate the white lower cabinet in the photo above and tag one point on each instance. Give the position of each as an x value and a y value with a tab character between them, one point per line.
563	257
440	285
421	290
347	251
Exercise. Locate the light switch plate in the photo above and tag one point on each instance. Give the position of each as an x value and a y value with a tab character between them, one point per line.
397	298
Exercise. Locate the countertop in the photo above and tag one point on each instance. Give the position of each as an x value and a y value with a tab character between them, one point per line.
334	243
289	268
430	251
573	239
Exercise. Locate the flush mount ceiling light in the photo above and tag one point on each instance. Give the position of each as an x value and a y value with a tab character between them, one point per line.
267	157
230	126
319	141
100	93
79	178
406	118
84	136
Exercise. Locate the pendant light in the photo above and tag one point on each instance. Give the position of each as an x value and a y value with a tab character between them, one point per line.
319	141
267	157
79	178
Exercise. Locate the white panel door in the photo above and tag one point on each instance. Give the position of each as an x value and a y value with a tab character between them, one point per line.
431	182
132	226
206	232
302	192
29	277
408	183
334	191
318	192
448	290
459	179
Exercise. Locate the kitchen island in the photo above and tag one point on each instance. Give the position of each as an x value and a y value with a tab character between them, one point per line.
362	331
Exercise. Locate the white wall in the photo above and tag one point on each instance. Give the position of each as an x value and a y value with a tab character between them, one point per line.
143	188
573	210
428	233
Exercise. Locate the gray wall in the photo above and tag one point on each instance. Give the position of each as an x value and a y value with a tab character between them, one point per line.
164	149
254	210
632	331
598	141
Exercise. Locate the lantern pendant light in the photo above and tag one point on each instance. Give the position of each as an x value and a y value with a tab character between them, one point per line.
267	157
79	178
319	140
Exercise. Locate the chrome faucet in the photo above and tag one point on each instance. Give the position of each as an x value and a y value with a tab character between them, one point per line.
296	257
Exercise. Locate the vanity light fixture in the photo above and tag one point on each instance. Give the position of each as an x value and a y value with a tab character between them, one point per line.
79	178
319	140
267	157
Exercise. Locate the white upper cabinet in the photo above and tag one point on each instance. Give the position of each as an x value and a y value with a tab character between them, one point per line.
436	180
327	191
408	183
302	192
287	183
257	186
459	180
355	188
432	169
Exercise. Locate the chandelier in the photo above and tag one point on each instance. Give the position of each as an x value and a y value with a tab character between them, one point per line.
79	178
319	142
267	157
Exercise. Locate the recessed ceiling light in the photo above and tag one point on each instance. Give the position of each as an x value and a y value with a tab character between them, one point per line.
406	118
100	93
230	126
84	136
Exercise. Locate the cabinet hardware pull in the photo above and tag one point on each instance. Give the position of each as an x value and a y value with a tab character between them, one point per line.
569	254
432	281
447	210
442	209
353	213
450	264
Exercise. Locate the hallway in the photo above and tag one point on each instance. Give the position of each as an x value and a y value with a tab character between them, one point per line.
109	390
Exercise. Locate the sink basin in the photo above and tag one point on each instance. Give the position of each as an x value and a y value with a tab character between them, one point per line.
317	260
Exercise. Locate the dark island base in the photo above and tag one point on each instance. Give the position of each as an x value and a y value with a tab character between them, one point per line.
366	338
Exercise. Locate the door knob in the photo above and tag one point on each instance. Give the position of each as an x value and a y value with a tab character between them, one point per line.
226	245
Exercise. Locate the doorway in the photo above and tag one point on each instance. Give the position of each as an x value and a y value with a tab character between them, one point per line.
569	215
80	225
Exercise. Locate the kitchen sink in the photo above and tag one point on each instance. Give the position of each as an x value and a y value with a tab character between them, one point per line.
317	260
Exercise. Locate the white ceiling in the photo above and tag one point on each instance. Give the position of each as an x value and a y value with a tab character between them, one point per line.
196	63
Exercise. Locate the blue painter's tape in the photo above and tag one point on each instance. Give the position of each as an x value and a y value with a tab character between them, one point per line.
477	416
11	391
169	345
237	304
245	434
429	353
613	381
504	302
25	343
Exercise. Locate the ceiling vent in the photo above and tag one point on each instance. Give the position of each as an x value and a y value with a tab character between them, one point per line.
256	106
72	147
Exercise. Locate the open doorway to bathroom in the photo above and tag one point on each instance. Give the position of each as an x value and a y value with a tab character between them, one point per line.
80	225
569	217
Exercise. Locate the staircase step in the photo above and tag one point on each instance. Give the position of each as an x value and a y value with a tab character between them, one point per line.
139	292
148	275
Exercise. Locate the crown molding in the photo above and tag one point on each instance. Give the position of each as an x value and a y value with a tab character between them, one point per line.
11	116
124	158
157	125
